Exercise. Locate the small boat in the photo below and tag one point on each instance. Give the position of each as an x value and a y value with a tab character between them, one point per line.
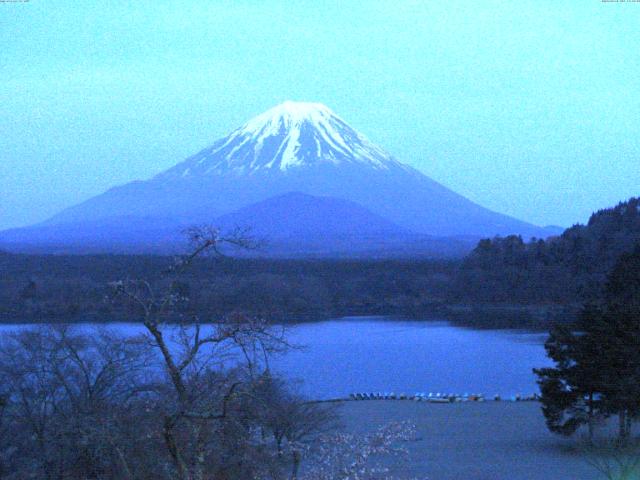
439	400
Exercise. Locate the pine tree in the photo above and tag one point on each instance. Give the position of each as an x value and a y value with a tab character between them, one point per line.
597	371
569	392
621	392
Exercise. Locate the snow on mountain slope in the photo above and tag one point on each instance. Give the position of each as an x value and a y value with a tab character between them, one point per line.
290	135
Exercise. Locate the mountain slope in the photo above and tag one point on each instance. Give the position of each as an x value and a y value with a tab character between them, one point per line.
294	147
304	217
288	136
289	225
298	224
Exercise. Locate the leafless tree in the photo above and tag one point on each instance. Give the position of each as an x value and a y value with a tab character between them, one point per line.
293	422
66	393
202	392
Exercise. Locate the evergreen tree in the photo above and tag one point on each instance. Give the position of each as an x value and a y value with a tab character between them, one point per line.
621	391
597	371
569	391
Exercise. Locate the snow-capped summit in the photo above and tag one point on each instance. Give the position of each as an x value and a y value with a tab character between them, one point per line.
289	135
293	147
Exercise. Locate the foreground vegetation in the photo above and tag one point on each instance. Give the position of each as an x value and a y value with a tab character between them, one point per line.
597	373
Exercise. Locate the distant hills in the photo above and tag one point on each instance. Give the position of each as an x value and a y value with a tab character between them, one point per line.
298	224
302	217
297	174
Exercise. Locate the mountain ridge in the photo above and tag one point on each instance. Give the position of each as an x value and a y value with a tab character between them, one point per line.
290	225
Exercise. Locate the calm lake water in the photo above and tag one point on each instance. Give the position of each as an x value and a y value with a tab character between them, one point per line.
381	354
387	355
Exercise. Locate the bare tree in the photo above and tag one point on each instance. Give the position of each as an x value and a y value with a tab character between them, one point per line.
201	394
293	422
66	393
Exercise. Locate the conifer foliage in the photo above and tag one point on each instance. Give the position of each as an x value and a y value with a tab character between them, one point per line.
597	367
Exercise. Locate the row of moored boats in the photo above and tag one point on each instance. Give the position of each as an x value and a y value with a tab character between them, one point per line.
437	397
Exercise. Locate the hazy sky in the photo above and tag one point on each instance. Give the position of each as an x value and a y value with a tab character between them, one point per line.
531	108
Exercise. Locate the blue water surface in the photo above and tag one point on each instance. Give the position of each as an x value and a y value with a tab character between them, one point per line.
383	354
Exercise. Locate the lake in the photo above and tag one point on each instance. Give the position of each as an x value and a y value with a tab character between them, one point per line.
383	354
378	354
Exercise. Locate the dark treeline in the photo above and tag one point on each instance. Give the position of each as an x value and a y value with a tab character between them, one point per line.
74	288
568	269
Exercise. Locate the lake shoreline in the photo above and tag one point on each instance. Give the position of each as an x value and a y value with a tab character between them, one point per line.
492	316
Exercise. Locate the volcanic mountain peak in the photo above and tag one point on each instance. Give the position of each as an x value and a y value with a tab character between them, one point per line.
289	135
293	147
291	114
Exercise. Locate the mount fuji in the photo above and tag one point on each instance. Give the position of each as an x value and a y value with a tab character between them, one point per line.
294	147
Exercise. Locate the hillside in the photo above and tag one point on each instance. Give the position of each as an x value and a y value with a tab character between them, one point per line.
569	268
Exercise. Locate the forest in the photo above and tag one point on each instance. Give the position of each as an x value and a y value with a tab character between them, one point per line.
75	288
503	282
176	401
568	269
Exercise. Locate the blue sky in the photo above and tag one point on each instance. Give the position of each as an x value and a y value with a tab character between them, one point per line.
531	108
